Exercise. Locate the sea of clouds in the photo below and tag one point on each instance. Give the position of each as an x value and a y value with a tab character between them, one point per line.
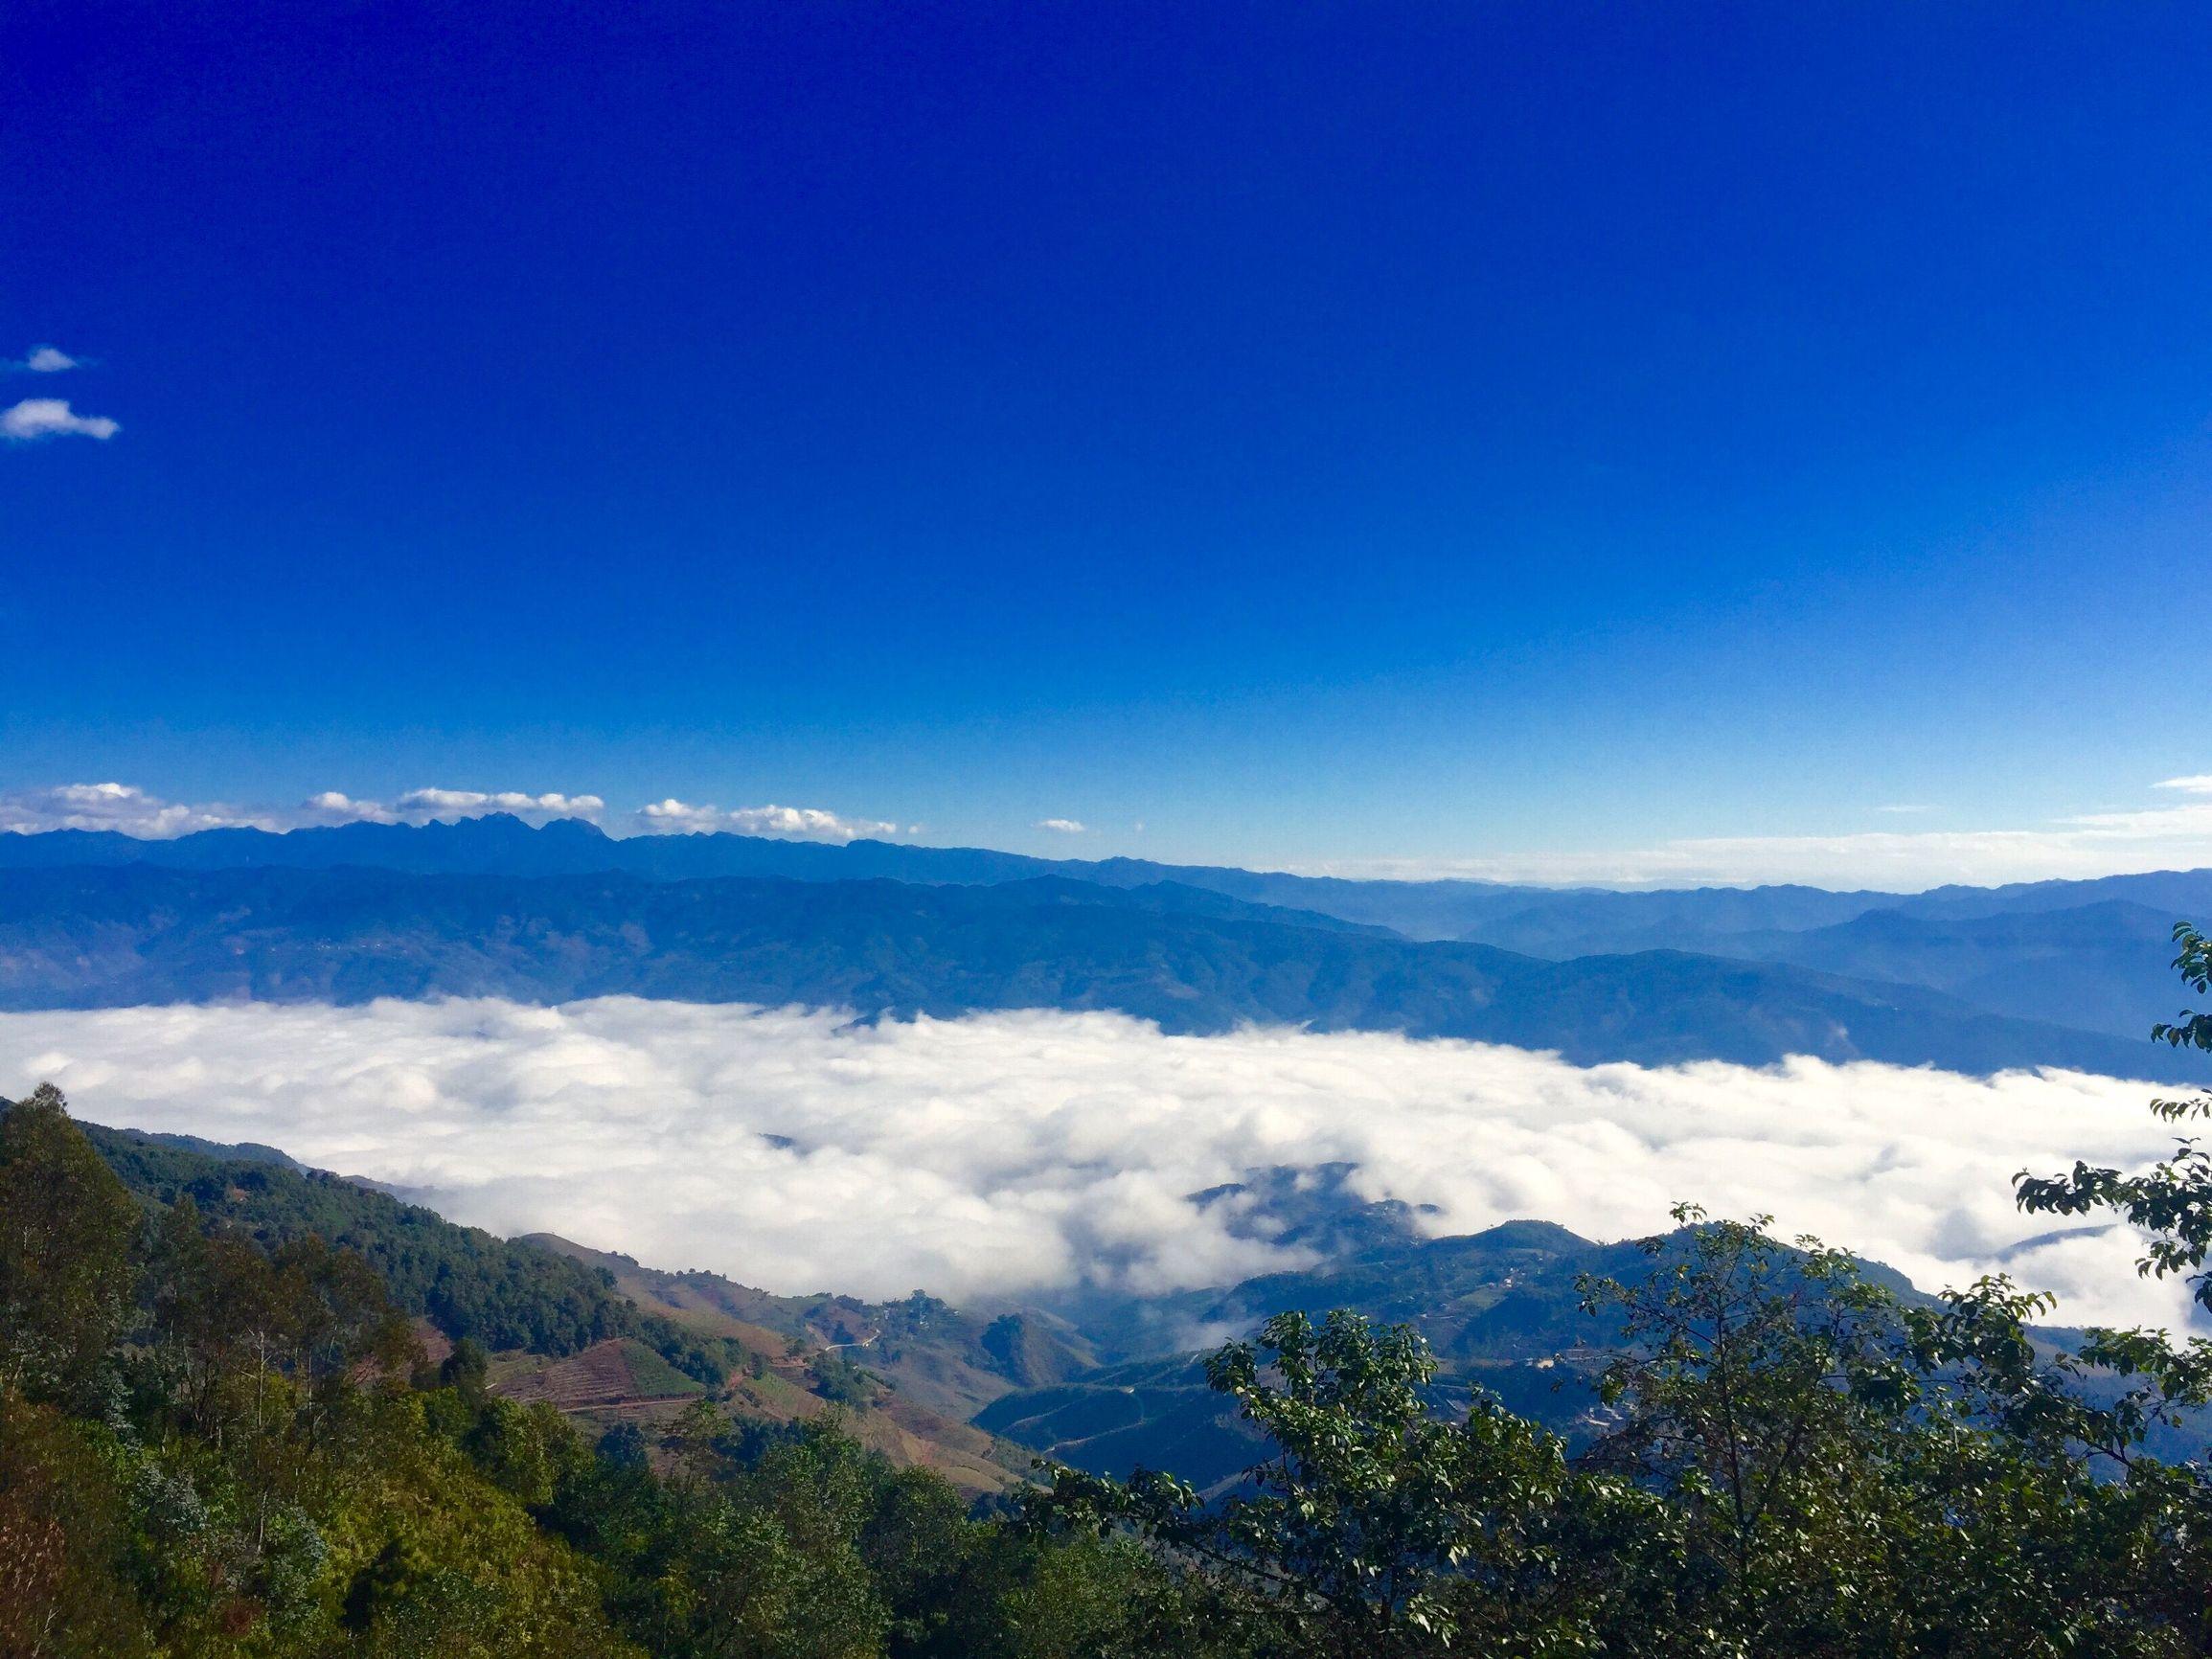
1006	1153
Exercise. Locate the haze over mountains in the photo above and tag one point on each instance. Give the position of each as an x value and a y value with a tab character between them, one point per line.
1543	920
1085	1362
2059	973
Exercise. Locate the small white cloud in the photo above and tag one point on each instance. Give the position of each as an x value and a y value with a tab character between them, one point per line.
52	418
1059	826
119	806
420	803
2198	783
50	360
1907	806
673	817
335	806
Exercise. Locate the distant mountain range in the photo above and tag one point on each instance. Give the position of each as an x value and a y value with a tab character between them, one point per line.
2022	975
1190	959
1572	919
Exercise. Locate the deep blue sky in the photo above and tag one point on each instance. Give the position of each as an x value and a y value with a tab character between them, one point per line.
1316	432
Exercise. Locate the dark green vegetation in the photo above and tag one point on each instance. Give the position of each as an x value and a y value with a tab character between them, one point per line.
467	1283
217	1442
609	1332
1187	958
1790	1463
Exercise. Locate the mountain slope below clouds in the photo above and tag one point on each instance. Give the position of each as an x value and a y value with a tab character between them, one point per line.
88	938
562	1325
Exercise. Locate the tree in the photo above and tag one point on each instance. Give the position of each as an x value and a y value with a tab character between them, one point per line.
1847	1475
1377	1529
64	1590
67	1229
2171	1204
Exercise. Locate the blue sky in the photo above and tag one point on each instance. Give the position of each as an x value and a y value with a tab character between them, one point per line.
1520	440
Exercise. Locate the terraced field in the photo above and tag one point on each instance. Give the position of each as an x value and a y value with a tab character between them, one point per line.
617	1373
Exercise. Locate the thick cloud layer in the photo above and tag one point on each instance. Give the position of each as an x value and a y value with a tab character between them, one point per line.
1009	1153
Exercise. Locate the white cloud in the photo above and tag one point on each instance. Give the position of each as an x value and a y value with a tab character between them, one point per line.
2068	849
50	360
790	823
422	804
1059	826
1016	1152
121	807
337	806
49	418
2198	784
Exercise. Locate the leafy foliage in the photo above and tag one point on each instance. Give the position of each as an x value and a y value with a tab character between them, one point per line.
65	1231
2194	963
465	1280
218	1437
1377	1529
1796	1464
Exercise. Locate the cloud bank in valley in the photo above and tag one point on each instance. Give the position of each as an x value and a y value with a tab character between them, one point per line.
1006	1153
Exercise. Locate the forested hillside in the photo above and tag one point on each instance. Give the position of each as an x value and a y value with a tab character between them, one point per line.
550	1313
465	1282
218	1435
